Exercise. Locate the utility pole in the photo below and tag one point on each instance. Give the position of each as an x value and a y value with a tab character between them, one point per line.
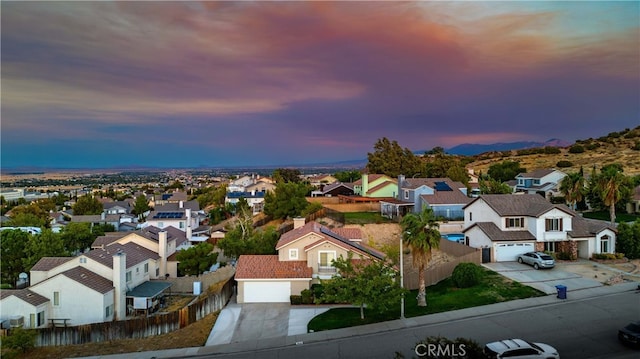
401	281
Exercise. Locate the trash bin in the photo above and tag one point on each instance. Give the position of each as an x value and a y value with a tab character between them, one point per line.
562	291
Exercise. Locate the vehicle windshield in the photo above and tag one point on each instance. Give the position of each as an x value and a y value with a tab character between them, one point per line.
633	327
533	345
546	258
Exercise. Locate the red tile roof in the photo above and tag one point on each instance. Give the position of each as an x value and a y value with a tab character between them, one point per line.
269	267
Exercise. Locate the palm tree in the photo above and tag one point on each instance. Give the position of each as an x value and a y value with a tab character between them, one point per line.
611	185
572	186
420	233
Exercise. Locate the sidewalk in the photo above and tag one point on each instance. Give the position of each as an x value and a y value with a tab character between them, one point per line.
252	345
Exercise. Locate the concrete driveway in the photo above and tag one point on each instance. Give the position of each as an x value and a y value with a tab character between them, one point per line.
544	280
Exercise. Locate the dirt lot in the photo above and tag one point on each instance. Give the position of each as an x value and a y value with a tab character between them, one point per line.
606	273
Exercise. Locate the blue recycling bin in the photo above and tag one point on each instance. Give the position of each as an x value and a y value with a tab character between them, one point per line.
562	291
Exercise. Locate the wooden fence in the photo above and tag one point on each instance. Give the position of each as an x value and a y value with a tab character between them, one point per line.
185	284
137	328
440	271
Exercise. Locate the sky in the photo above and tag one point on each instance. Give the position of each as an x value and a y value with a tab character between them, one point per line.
184	84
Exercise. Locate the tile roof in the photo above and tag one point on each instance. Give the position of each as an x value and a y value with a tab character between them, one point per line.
151	233
175	206
530	205
48	263
96	218
413	183
26	295
446	197
495	234
88	279
107	239
539	173
269	267
135	254
371	178
381	186
332	186
326	234
349	233
585	227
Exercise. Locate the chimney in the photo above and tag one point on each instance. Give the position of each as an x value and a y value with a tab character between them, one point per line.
189	228
400	184
365	184
120	285
180	204
103	216
298	222
162	252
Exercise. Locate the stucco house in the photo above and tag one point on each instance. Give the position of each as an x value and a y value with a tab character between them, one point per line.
444	196
305	256
376	186
335	189
542	181
506	225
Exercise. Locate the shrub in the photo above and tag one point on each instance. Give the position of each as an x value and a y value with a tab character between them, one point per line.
636	147
318	290
22	339
306	296
551	150
608	256
564	256
593	146
564	163
295	299
467	275
576	149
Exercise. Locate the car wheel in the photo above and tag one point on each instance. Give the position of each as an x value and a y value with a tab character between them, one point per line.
535	266
520	260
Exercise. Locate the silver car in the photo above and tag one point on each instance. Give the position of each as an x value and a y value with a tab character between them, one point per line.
518	348
537	260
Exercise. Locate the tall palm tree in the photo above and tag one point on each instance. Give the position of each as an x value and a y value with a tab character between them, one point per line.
420	233
572	186
611	186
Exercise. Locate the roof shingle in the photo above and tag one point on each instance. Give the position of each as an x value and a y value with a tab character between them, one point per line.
269	267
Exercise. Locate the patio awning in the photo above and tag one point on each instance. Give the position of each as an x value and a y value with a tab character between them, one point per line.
149	289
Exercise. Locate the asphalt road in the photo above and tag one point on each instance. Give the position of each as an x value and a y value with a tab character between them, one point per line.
578	329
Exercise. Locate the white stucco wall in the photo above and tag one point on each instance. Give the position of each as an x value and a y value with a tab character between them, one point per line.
477	238
12	306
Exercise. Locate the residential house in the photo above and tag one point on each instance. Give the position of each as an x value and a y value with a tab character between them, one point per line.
319	181
542	181
444	196
634	204
305	256
23	308
376	186
241	184
335	189
506	225
117	207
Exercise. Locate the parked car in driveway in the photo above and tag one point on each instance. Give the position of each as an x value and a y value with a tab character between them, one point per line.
630	334
519	348
537	260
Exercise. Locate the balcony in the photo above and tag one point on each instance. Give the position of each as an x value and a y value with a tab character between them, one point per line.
326	270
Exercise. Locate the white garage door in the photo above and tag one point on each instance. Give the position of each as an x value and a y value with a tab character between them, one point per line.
267	292
506	252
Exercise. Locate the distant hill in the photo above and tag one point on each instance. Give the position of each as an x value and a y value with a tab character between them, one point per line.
616	147
470	149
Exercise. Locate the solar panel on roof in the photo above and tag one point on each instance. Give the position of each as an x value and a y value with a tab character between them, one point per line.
442	186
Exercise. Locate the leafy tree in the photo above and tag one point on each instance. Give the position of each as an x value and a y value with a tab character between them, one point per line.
26	220
87	205
20	338
420	233
368	283
45	244
174	185
243	238
287	175
214	195
392	160
288	200
505	171
197	259
628	239
573	188
490	186
12	246
140	207
100	229
348	176
77	237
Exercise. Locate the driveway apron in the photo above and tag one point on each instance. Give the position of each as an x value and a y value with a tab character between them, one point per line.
262	320
544	280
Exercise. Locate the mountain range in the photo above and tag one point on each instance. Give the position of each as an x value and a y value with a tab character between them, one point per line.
471	149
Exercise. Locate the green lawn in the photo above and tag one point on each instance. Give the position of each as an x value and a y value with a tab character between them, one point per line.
604	215
365	218
442	297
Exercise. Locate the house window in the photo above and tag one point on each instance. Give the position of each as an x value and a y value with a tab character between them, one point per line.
83	260
471	216
56	298
146	268
137	270
517	222
536	181
406	194
41	318
108	310
550	246
325	260
181	225
129	276
604	245
160	224
32	320
553	224
293	253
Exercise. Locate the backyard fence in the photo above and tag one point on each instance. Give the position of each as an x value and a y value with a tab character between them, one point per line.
137	328
440	271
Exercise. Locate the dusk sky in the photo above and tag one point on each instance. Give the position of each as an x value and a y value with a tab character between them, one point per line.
185	84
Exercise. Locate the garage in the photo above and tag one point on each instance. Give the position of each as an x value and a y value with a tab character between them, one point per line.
508	252
267	292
